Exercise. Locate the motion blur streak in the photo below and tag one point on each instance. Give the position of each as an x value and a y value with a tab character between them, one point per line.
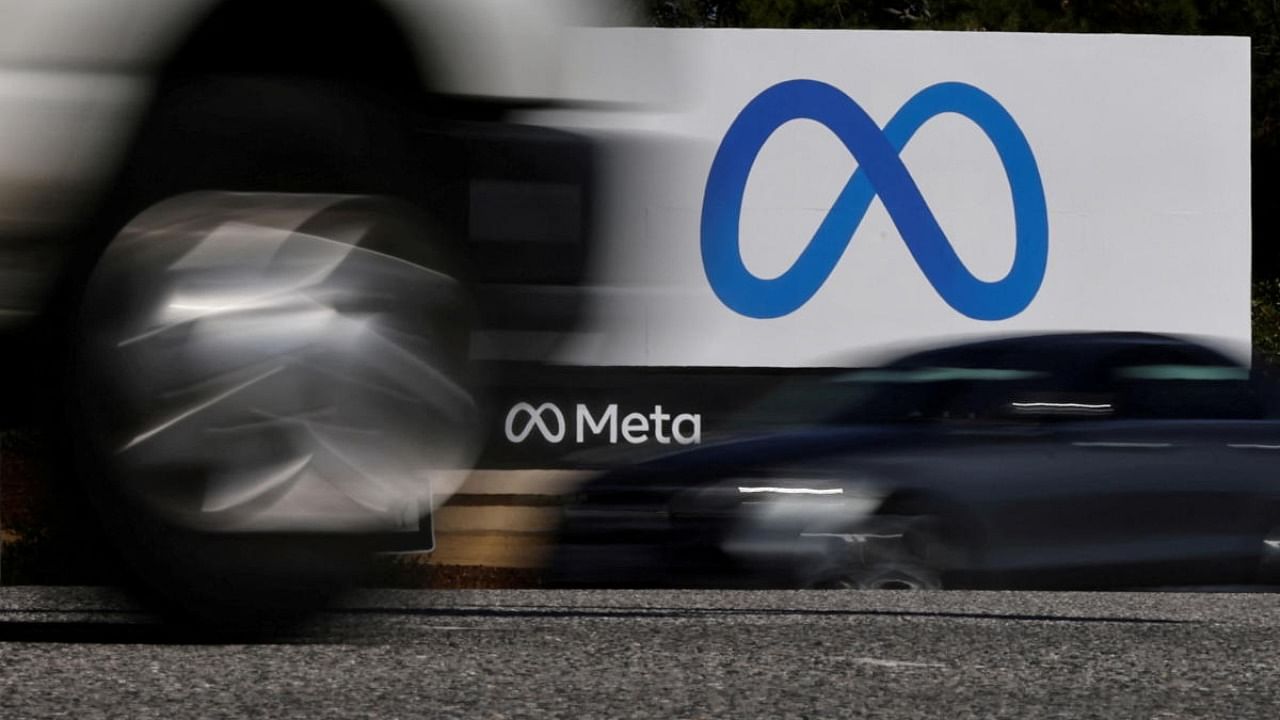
792	491
278	341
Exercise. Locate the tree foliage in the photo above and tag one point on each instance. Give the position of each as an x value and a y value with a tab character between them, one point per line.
1266	320
1158	16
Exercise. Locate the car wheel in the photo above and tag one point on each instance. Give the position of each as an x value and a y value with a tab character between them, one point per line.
1269	563
267	382
887	576
893	552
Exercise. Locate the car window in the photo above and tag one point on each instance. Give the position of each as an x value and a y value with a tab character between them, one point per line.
1153	382
1199	373
892	395
1186	391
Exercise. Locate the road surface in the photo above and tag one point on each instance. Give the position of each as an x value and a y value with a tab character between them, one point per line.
657	654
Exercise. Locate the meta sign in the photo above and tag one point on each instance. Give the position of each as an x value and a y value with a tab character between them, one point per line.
783	203
784	199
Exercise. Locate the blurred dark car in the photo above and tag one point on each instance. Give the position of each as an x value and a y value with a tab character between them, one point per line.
1106	460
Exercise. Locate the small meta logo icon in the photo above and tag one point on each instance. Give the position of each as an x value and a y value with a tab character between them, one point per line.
882	174
550	423
540	418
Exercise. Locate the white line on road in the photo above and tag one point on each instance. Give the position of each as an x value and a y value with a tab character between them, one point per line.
882	662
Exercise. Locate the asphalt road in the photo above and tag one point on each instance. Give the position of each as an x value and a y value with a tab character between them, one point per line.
497	654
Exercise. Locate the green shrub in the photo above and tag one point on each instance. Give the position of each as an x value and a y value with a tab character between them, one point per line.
1266	320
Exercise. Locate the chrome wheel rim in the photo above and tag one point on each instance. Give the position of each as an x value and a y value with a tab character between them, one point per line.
277	362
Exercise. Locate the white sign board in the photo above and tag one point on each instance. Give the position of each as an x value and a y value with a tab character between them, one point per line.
815	197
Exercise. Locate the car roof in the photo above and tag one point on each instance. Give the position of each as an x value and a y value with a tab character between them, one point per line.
1068	353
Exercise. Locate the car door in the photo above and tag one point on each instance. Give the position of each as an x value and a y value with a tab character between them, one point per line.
1149	471
1176	472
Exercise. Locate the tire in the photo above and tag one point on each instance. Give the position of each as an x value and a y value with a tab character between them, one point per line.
896	552
888	576
270	360
1269	558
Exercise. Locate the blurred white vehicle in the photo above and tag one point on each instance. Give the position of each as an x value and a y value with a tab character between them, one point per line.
244	247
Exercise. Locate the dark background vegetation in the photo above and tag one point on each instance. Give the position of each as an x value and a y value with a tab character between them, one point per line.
1257	19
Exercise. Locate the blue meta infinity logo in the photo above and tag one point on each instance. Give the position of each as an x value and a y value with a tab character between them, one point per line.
880	173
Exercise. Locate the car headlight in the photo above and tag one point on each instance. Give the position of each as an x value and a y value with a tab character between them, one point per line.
786	490
813	497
